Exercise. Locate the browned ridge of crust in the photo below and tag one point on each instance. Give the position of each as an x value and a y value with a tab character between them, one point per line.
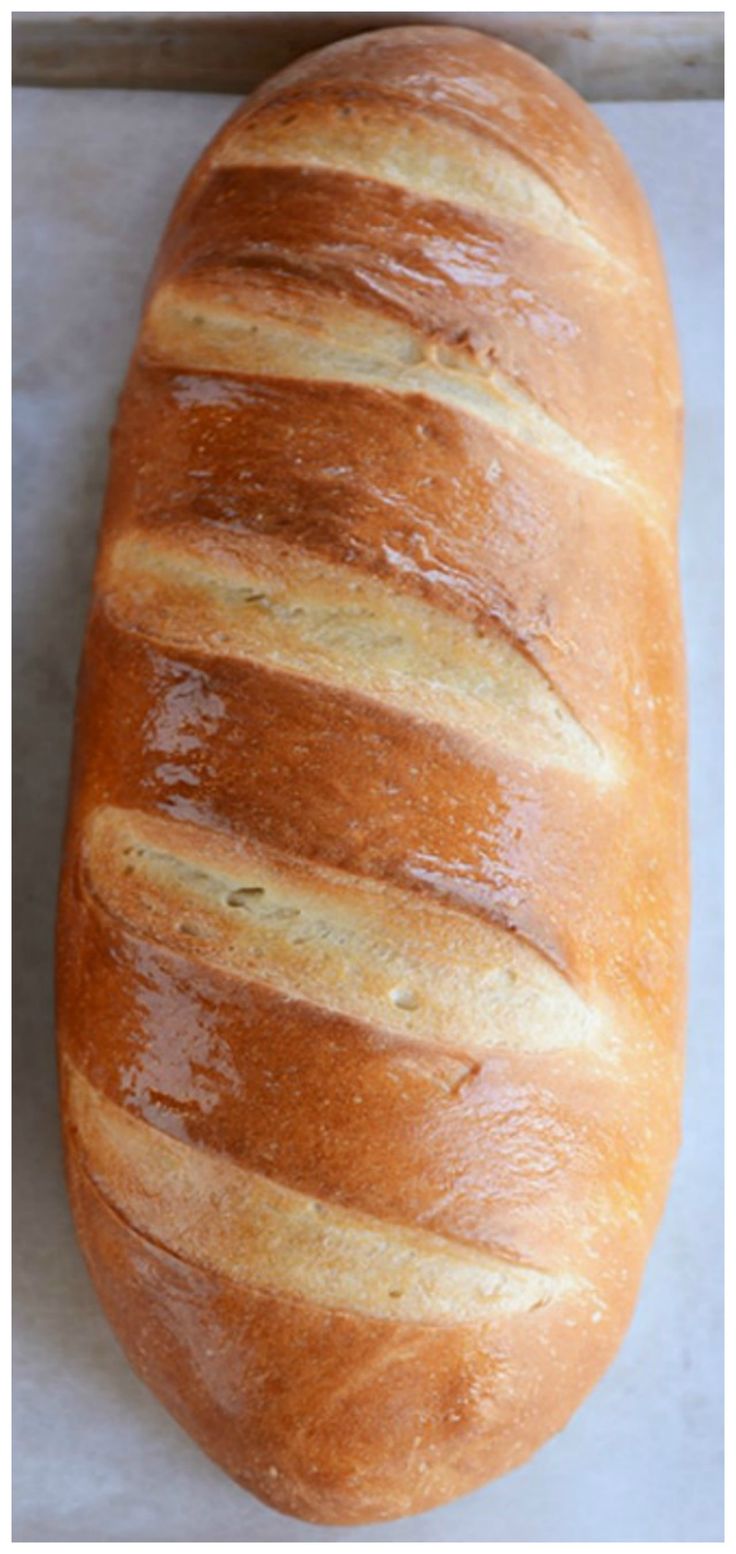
490	319
372	920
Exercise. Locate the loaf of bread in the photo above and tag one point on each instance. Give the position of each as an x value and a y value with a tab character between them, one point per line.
374	908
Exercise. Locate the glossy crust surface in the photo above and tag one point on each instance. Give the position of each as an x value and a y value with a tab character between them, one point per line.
373	915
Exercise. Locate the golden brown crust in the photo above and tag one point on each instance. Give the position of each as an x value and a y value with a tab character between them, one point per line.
373	915
462	281
236	1365
493	91
485	1148
433	502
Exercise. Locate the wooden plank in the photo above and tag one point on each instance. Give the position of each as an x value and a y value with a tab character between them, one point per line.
607	56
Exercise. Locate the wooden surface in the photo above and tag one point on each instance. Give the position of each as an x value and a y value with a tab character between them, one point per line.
607	56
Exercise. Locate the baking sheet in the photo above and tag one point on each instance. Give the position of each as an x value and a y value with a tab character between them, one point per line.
605	55
95	1456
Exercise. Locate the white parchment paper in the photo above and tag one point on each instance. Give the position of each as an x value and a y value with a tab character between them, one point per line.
95	1456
